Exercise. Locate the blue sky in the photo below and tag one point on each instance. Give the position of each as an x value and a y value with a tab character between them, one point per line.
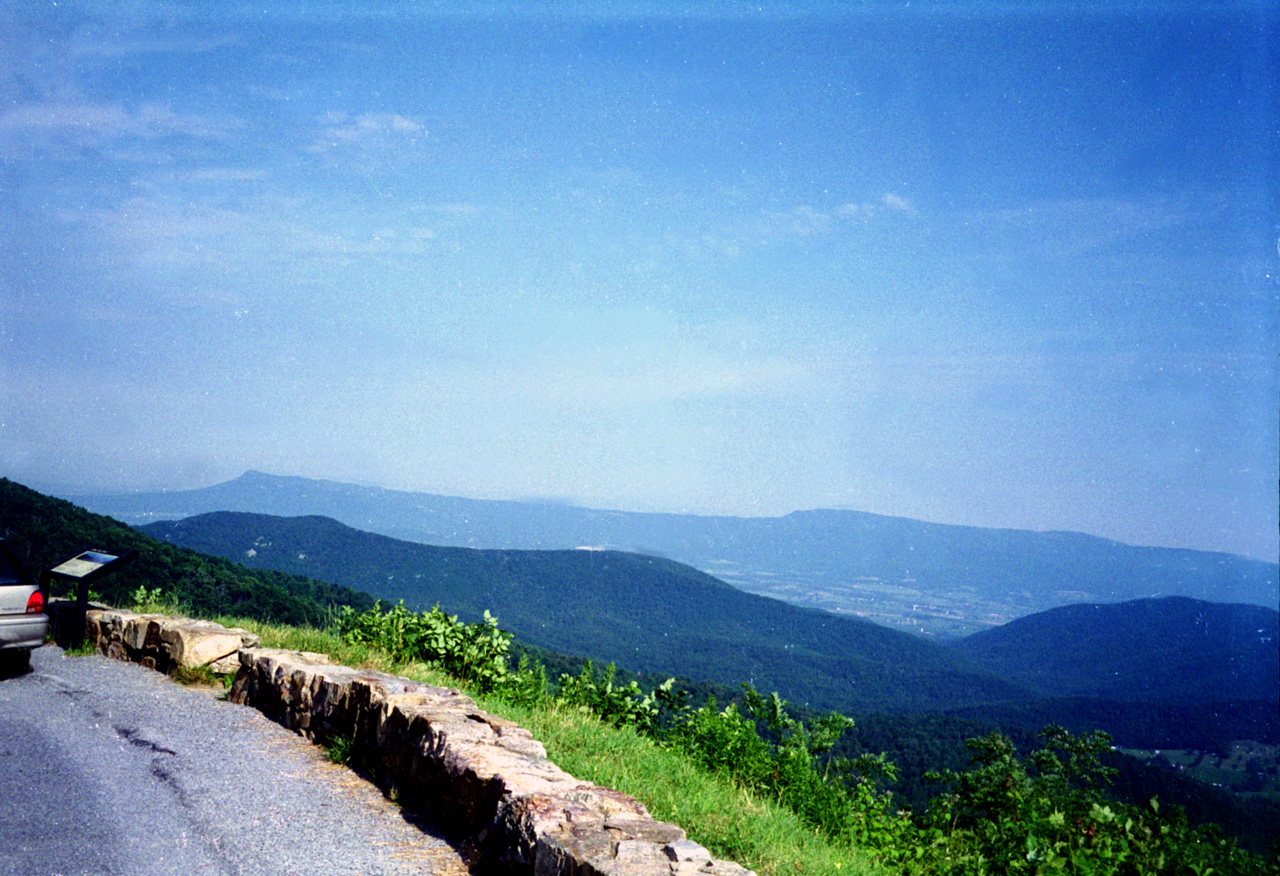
997	264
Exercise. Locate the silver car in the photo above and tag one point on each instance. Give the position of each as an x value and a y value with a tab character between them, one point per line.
23	622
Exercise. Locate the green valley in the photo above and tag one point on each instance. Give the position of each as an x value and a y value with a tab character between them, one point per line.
647	613
941	580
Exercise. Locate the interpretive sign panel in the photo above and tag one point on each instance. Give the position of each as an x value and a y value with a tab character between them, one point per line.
83	568
83	564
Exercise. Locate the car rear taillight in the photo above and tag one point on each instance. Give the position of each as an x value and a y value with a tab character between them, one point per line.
35	605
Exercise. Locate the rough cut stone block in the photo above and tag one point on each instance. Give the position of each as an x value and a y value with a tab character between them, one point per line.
192	645
727	868
139	632
686	850
573	850
656	832
638	857
228	665
689	868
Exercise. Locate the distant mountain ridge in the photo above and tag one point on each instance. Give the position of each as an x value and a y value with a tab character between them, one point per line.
647	613
936	578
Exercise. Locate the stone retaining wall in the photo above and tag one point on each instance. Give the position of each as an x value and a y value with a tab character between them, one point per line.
154	640
487	782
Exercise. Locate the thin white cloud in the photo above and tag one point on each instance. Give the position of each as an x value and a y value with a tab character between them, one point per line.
897	202
865	211
367	131
1071	227
226	174
94	42
31	124
253	236
458	208
803	221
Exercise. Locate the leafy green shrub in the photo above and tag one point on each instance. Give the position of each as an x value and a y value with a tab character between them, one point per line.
620	705
153	600
725	742
476	654
843	799
1047	815
528	683
840	798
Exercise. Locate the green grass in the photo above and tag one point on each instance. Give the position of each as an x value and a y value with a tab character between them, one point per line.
714	811
197	676
338	750
328	643
84	649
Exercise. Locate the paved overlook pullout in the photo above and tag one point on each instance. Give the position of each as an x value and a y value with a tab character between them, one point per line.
109	768
485	781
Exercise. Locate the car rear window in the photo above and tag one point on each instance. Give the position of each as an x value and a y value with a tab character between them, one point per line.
9	575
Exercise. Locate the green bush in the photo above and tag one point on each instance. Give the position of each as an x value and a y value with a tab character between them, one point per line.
620	705
1047	815
153	600
476	654
842	799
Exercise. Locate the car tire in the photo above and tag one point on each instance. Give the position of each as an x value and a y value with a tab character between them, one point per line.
14	661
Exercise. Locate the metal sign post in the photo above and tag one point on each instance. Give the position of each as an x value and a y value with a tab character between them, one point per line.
85	568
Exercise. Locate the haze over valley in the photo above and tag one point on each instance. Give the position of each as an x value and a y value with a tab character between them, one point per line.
909	575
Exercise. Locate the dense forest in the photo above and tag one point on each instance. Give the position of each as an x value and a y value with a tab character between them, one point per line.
44	531
1170	650
649	613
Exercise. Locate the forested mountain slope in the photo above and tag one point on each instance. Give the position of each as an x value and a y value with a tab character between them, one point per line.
924	577
45	531
1175	680
1173	650
647	613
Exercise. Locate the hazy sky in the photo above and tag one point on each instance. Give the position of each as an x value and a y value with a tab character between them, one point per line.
1004	264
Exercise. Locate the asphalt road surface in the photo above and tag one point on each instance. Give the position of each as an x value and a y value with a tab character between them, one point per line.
109	768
